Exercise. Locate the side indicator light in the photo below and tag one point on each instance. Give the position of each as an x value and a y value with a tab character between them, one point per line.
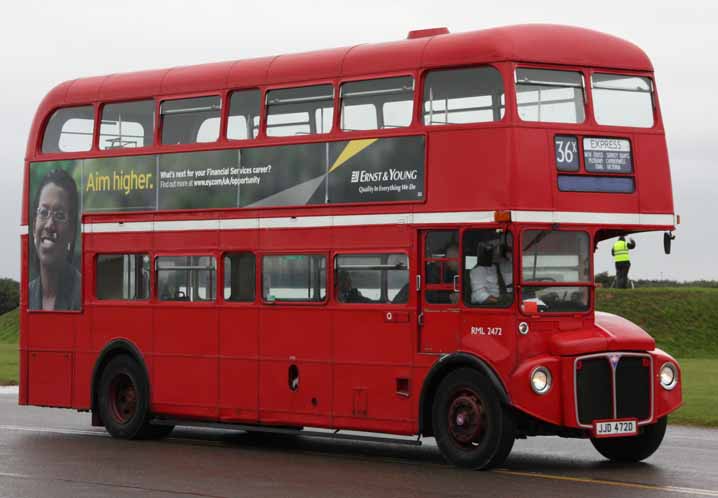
502	216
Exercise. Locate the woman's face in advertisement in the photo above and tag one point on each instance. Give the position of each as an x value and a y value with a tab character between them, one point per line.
53	227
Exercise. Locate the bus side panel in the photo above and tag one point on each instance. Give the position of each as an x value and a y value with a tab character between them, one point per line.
51	378
373	351
295	379
532	179
653	174
185	363
468	170
381	238
51	339
238	362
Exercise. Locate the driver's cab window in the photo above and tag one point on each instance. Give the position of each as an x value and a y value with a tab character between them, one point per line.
488	268
555	271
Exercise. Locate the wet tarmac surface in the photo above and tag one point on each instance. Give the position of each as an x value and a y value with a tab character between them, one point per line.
56	453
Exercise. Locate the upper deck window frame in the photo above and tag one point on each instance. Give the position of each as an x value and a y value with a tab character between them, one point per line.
266	104
221	95
226	114
342	94
97	138
93	136
420	111
655	114
581	71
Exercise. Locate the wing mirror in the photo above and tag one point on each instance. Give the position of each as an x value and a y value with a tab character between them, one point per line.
667	239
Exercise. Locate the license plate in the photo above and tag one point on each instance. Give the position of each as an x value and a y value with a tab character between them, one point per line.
615	428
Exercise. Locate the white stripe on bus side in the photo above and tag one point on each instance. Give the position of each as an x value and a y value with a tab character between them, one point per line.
586	218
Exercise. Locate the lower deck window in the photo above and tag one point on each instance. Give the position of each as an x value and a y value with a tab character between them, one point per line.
122	276
371	278
294	277
186	278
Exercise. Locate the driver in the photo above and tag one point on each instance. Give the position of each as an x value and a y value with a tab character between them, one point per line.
492	278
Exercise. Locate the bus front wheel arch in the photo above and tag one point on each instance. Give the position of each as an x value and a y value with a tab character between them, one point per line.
439	371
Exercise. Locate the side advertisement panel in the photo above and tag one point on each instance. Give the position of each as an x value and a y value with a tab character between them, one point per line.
355	171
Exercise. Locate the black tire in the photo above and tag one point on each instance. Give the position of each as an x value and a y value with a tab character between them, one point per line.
635	448
473	429
123	401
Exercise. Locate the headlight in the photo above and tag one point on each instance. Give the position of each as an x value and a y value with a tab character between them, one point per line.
669	376
541	380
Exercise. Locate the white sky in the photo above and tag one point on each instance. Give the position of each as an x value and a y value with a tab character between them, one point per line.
45	43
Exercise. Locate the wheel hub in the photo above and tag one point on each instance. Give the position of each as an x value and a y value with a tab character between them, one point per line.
123	398
465	418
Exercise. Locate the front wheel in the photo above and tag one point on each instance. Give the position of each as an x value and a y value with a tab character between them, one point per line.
472	428
635	448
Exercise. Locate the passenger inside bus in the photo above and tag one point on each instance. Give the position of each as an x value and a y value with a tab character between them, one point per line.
345	292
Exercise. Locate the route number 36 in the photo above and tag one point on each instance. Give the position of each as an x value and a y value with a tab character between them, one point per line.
566	153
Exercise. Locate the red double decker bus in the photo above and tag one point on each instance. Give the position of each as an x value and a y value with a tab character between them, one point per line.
390	238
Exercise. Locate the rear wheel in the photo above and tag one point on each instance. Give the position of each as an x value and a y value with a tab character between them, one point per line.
123	401
472	428
635	448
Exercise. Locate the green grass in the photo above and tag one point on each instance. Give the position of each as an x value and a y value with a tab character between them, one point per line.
8	364
9	326
681	319
700	393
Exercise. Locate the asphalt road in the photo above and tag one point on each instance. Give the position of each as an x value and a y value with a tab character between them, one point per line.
56	453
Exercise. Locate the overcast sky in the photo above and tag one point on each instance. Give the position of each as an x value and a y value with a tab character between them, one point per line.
45	43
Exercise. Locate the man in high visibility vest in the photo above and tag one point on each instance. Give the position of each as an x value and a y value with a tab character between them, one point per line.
623	261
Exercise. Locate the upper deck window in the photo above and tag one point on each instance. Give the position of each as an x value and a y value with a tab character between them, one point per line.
550	96
621	100
470	95
69	130
300	111
243	120
377	104
188	121
127	125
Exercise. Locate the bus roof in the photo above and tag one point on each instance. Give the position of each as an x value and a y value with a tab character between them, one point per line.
535	43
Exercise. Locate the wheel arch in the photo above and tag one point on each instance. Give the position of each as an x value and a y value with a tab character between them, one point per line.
114	348
441	369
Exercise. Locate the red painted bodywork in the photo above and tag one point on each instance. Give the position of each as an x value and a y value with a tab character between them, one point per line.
229	361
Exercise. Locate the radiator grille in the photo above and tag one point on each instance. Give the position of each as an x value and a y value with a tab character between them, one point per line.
596	389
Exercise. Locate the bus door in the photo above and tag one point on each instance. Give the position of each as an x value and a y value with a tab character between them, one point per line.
441	281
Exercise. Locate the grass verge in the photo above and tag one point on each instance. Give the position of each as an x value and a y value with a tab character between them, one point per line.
700	393
681	319
8	364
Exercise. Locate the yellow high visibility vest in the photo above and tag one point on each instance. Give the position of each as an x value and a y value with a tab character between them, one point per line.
620	251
